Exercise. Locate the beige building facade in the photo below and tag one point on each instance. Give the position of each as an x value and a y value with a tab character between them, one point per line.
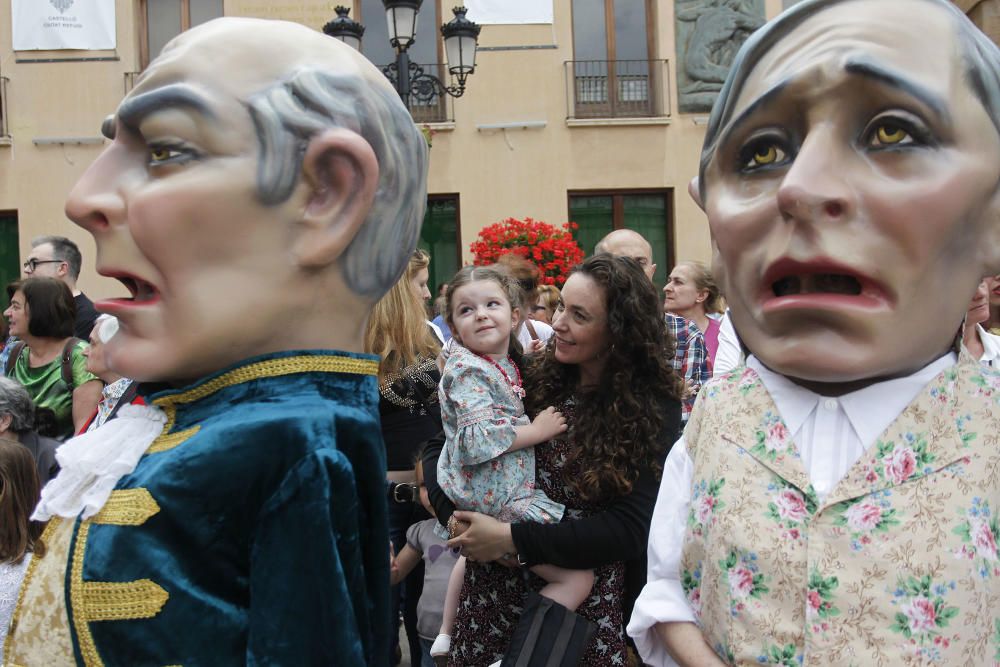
545	129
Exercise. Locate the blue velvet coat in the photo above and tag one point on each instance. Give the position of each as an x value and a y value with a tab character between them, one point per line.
266	538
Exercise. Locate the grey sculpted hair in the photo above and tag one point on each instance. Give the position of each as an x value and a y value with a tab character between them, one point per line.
980	58
64	250
288	114
15	401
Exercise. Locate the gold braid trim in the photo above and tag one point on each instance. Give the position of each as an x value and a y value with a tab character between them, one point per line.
92	601
167	441
127	507
122	601
274	368
88	650
261	369
46	534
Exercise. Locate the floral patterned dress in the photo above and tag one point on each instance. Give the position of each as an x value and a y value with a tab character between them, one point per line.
491	599
480	408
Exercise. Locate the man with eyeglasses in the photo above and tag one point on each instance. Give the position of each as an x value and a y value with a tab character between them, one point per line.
58	257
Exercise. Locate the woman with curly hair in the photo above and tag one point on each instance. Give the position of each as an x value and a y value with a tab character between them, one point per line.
607	370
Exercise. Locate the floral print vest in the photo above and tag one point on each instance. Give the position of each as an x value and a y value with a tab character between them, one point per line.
898	566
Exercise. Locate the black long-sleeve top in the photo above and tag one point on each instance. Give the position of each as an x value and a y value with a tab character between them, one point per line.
618	533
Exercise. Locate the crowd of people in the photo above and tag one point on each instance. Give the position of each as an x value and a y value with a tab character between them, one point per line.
788	458
568	490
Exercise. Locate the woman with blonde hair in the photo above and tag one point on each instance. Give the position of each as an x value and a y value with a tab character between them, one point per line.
691	293
417	274
408	377
19	535
545	304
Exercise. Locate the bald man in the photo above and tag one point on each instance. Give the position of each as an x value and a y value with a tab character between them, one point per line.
690	356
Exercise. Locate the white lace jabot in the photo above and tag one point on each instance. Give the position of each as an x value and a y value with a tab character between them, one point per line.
92	463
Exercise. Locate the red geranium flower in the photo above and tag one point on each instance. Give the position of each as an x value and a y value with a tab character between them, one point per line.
552	248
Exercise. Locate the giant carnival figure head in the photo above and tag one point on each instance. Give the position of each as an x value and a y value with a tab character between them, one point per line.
263	187
850	177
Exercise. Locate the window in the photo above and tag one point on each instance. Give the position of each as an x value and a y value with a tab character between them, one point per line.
649	212
162	20
427	51
612	73
10	261
441	237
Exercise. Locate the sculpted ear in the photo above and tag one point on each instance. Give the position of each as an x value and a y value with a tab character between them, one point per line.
693	190
341	172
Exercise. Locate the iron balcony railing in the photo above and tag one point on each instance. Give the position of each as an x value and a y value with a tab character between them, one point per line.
617	88
428	105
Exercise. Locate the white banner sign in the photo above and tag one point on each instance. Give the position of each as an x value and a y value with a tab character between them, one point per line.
63	24
509	11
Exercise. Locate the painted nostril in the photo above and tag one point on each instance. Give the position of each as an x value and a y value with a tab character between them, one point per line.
834	209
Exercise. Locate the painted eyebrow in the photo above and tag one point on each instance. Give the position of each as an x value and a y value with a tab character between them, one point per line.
134	110
869	69
865	68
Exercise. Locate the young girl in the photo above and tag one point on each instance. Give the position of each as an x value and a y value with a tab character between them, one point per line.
19	536
488	464
424	543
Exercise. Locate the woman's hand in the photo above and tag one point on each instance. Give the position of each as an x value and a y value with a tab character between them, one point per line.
536	346
486	539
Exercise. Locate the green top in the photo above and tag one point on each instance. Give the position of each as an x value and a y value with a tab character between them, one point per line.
46	387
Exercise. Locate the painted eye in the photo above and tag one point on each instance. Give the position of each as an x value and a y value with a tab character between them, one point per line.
767	155
890	134
167	154
160	154
764	152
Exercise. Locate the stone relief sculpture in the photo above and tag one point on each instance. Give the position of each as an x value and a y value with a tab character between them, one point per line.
709	33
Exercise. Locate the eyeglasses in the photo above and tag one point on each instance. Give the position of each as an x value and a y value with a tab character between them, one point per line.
33	263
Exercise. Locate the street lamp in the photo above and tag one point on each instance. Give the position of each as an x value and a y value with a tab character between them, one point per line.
411	82
401	15
345	28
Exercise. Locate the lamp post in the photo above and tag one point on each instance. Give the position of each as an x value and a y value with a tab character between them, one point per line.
410	80
345	28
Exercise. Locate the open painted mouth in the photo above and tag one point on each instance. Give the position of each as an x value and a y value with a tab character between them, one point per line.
820	283
817	283
140	290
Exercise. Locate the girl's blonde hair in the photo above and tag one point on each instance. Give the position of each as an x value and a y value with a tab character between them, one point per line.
509	286
397	329
703	280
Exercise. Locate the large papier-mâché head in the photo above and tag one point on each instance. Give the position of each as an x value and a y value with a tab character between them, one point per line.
850	178
264	185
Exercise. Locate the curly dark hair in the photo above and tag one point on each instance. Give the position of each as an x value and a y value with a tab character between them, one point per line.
628	420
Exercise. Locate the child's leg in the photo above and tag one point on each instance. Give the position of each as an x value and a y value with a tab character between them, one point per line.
569	588
443	642
451	598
